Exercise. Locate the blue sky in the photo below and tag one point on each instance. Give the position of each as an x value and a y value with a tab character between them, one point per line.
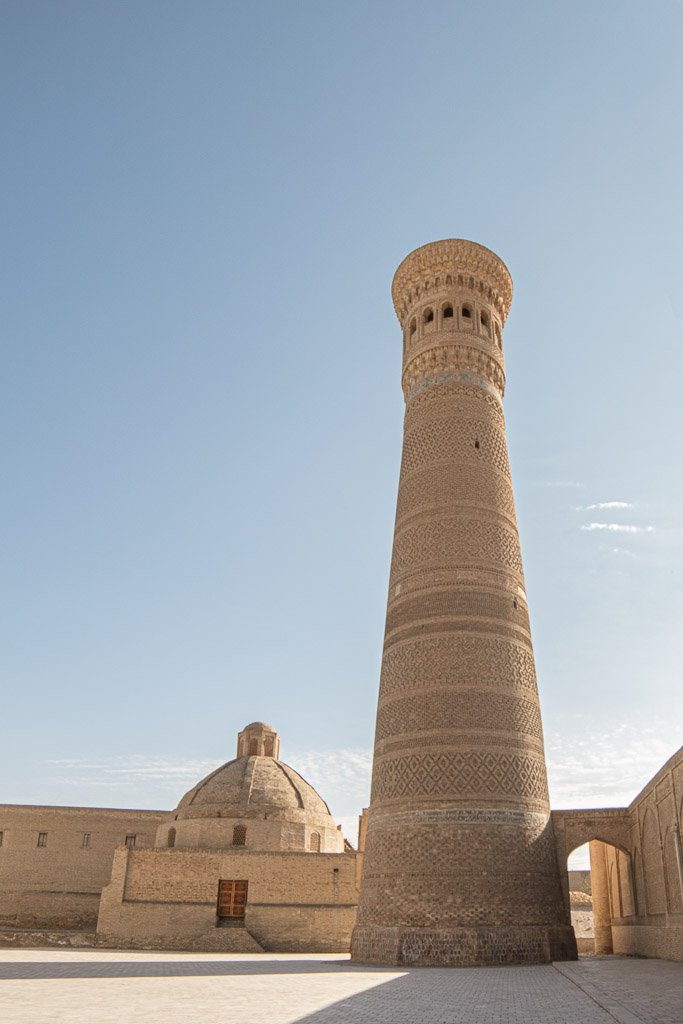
201	410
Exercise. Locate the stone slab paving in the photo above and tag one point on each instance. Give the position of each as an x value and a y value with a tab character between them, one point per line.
70	987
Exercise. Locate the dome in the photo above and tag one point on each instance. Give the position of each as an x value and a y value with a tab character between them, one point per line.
252	787
253	803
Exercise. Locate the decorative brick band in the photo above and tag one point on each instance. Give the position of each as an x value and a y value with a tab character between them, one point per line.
460	864
453	377
452	262
463	947
460	816
444	359
451	774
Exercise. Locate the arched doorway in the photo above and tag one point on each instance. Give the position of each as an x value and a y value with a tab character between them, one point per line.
613	892
603	871
607	832
581	898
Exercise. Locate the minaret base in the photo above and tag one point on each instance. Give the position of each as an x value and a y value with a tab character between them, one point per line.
462	947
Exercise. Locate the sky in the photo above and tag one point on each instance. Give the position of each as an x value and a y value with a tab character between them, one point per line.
203	207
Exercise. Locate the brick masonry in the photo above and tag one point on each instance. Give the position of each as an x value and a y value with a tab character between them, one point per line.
58	885
636	866
167	898
460	865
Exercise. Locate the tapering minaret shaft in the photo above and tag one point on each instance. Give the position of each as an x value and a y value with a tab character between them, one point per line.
460	864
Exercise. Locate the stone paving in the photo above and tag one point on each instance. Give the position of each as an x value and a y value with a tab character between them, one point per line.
60	986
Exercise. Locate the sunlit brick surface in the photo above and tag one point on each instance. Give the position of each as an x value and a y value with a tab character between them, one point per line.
460	864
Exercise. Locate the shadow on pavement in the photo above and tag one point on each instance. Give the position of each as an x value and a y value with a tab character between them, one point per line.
50	970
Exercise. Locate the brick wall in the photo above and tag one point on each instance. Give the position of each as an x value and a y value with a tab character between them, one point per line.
167	898
58	885
645	887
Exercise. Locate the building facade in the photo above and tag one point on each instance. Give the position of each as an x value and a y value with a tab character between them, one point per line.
636	866
55	861
249	860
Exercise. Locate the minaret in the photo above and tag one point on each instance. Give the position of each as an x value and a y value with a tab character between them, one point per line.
460	865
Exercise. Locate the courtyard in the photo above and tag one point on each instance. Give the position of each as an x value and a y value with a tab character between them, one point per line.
60	986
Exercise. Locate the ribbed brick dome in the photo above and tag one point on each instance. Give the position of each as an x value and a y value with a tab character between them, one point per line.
252	787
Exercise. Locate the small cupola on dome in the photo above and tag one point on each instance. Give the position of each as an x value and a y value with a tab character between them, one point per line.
258	740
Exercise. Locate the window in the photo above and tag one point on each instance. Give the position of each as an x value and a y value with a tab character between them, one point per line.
467	312
413	326
232	898
447	312
428	316
130	840
314	842
85	841
239	836
253	747
484	317
170	838
2	836
42	839
268	747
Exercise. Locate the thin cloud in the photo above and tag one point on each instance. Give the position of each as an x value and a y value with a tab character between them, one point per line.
600	505
589	768
341	777
564	483
621	551
131	772
618	528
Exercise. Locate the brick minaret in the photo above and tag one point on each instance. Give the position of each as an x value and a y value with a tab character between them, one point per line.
460	864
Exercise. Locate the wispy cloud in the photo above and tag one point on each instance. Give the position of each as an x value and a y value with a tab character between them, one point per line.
130	772
618	527
600	505
342	777
598	768
576	484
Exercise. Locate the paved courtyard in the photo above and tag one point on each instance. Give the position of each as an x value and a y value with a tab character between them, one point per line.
57	986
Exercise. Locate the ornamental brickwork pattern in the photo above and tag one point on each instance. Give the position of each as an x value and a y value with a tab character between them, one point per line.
454	603
458	722
458	709
419	492
472	774
443	660
476	441
453	541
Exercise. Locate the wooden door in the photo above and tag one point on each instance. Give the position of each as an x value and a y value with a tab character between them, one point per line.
232	898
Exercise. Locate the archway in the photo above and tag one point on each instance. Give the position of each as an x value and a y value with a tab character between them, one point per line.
605	870
578	869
